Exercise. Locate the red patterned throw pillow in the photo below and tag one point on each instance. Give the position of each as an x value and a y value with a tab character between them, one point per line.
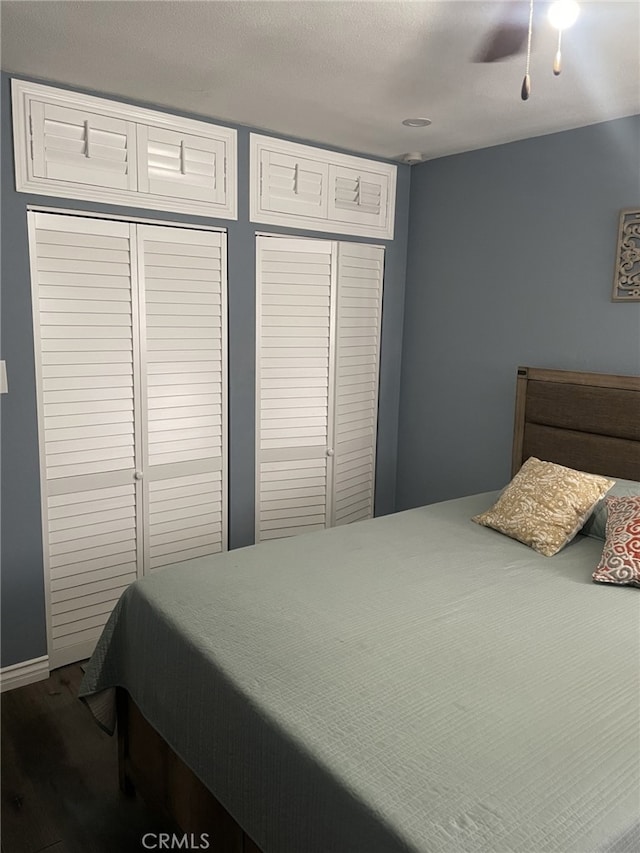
620	561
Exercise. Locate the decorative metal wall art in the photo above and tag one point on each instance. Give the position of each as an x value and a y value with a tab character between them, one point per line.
626	280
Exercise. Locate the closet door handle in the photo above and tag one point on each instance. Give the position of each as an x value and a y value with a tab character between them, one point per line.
329	451
138	475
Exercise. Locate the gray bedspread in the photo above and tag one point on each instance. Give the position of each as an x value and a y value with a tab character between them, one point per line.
410	683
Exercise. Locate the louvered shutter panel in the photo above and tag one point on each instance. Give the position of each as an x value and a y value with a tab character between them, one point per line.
360	275
81	274
295	283
358	196
184	376
92	559
181	165
83	147
292	184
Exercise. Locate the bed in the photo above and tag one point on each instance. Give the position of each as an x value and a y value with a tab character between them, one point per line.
410	683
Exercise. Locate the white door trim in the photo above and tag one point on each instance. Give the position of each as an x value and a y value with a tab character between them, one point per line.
117	217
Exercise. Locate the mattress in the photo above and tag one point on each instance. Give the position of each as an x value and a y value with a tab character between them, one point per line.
409	683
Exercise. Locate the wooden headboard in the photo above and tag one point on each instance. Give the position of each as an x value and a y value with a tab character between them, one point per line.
587	421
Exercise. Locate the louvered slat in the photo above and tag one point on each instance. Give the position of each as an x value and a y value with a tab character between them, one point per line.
360	272
295	281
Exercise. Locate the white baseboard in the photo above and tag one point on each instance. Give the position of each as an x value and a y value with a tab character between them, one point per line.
21	674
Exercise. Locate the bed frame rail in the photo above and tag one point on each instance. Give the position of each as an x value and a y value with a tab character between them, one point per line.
147	765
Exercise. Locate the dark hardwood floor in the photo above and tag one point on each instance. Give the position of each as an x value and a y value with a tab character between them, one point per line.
60	776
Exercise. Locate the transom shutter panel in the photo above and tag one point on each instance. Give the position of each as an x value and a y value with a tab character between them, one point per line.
360	276
290	184
83	147
295	282
85	355
180	165
184	338
358	196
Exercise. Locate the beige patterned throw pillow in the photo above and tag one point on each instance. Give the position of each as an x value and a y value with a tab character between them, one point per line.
545	505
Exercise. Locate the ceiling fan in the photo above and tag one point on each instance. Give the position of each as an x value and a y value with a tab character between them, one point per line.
513	33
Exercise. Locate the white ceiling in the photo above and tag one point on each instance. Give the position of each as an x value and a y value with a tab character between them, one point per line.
343	73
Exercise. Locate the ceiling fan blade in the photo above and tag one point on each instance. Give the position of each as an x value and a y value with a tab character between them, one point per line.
504	41
509	37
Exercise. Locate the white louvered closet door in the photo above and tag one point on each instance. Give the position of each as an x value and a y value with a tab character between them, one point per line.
319	307
358	323
295	287
130	345
86	350
183	310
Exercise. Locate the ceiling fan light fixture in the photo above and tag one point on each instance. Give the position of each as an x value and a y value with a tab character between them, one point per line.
563	14
417	122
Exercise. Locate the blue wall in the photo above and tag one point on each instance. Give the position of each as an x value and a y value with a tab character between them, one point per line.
510	262
23	615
